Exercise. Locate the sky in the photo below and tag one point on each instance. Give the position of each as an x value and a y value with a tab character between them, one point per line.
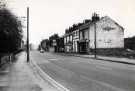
54	16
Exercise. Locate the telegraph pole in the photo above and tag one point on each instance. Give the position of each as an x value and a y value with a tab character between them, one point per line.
28	56
95	18
95	42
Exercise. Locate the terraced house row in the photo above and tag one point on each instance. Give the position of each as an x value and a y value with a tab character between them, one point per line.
103	33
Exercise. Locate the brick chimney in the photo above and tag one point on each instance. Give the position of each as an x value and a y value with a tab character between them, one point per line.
95	17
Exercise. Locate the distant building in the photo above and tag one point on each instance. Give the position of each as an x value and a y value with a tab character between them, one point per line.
45	44
60	44
53	44
68	42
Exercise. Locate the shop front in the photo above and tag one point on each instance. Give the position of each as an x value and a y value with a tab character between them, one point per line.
83	46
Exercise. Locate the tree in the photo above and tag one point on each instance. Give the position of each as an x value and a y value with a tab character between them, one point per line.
53	37
39	47
10	32
2	3
129	43
45	44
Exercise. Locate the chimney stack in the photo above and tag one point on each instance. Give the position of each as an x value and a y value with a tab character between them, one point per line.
95	17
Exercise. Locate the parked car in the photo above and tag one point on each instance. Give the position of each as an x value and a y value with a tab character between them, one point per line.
41	51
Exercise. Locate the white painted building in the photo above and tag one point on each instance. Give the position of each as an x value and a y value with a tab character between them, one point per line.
76	40
68	42
109	34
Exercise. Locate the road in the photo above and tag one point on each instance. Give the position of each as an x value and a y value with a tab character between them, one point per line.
83	74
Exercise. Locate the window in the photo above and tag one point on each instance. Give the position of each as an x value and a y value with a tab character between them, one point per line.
77	33
83	34
64	40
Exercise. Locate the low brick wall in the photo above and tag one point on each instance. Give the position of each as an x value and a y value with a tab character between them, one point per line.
6	58
109	51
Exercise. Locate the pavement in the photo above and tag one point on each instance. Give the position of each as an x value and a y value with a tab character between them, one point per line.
20	76
104	58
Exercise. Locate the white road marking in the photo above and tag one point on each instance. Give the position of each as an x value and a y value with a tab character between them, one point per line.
49	79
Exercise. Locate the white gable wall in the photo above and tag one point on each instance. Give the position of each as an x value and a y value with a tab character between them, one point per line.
114	38
91	36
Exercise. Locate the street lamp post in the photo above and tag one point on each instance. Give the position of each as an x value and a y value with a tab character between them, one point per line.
28	57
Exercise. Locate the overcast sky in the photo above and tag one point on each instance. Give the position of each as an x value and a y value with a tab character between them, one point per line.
54	16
